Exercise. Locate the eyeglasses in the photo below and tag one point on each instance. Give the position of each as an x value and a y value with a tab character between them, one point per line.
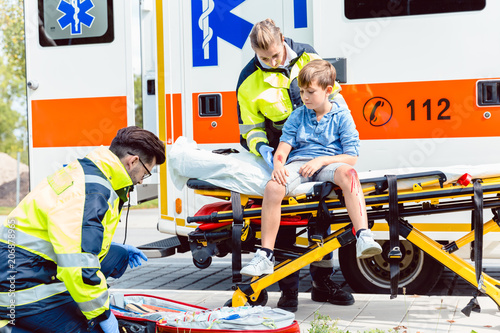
148	174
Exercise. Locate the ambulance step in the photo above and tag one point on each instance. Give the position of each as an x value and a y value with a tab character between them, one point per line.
162	248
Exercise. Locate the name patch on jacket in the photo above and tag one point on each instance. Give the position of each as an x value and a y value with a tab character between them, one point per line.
60	181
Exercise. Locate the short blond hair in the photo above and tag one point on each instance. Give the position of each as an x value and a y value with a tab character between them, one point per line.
265	34
317	70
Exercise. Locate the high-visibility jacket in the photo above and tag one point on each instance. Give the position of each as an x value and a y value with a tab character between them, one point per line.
267	96
58	235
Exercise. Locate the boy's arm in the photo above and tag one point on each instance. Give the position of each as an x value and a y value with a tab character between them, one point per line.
309	168
280	172
349	136
342	158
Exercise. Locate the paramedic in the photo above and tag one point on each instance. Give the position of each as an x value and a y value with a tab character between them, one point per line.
321	143
267	93
60	235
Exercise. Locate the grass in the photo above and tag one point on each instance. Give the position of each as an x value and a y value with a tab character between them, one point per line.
324	324
6	210
146	205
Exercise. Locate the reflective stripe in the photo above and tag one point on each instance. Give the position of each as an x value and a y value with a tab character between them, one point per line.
101	181
256	135
247	128
78	260
94	304
32	295
278	126
32	243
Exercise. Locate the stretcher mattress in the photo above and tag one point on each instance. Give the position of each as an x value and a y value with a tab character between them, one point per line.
248	174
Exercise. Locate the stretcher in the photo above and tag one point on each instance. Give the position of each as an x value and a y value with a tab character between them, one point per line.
232	226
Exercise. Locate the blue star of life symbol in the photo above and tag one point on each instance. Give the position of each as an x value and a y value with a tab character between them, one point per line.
75	14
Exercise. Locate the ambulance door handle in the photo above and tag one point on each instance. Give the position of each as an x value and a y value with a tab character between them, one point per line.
33	84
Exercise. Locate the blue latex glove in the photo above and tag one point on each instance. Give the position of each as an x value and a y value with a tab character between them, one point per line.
110	325
267	154
134	255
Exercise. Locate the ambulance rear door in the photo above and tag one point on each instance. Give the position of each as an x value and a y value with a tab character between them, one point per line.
79	77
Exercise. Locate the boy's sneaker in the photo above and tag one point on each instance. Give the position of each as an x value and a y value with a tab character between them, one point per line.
366	246
259	265
289	300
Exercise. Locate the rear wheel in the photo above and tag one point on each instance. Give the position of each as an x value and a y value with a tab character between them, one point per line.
419	272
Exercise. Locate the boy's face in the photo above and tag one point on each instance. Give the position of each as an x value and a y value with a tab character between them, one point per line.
314	96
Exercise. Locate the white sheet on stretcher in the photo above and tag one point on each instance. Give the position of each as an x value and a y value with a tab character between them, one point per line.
248	174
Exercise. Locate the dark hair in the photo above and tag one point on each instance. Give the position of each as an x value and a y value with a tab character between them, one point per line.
317	70
138	141
265	34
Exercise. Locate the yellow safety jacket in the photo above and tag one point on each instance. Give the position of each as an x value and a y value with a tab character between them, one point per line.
267	96
59	234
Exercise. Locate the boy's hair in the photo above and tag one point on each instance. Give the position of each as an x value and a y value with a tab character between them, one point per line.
139	142
265	34
317	70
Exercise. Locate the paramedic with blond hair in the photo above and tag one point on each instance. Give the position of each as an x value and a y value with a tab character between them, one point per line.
267	93
63	231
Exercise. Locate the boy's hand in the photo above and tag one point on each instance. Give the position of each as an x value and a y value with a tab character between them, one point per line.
279	174
310	168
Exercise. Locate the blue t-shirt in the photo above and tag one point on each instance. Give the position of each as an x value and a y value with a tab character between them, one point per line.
334	134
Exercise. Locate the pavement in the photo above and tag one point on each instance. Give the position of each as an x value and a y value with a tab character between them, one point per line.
176	278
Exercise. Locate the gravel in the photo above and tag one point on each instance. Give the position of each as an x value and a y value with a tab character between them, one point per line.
8	177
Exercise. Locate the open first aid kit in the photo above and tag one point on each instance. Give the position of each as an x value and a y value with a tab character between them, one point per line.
140	313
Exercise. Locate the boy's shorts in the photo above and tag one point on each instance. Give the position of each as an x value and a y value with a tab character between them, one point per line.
324	174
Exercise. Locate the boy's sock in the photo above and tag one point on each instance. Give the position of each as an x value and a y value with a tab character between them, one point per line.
269	253
358	232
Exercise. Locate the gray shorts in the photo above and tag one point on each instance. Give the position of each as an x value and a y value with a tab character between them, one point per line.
324	174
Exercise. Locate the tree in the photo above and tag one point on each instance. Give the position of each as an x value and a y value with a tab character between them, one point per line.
12	78
138	100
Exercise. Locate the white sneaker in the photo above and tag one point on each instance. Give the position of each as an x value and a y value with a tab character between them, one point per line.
259	265
366	246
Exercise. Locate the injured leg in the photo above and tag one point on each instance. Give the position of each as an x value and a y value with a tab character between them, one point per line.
347	178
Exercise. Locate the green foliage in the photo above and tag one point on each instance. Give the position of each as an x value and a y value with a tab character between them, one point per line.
138	100
12	23
6	210
13	125
324	324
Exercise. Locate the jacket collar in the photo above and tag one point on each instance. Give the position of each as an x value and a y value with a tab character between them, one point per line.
113	169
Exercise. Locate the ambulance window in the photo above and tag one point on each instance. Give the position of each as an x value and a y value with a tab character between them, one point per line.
70	22
361	9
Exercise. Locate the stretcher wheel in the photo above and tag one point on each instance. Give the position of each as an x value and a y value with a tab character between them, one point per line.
261	300
419	272
204	264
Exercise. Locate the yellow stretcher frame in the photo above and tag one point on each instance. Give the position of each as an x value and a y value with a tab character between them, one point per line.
433	198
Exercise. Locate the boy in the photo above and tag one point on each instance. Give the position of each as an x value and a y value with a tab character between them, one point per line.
321	143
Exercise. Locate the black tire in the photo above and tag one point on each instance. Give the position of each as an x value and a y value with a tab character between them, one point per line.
419	272
261	300
203	265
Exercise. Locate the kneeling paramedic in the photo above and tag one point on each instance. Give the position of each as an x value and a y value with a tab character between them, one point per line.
60	238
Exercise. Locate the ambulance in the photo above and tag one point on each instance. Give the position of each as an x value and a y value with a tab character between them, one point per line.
421	78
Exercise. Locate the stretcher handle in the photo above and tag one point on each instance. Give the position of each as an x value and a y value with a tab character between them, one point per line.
381	182
203	218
